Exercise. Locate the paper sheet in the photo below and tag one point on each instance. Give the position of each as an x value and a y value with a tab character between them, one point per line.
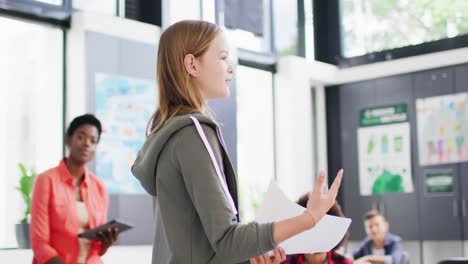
326	234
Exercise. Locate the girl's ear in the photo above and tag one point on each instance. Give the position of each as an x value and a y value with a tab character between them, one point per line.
191	65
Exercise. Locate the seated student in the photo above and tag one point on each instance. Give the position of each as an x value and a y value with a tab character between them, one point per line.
380	246
330	257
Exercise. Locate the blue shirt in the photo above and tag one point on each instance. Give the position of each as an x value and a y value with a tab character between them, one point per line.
392	247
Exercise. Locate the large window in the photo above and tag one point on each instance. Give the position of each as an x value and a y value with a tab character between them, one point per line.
294	28
31	103
255	149
208	10
285	25
309	30
376	25
250	41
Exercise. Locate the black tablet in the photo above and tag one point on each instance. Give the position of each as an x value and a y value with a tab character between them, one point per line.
92	234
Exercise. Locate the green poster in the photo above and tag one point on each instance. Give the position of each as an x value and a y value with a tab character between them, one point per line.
383	115
384	148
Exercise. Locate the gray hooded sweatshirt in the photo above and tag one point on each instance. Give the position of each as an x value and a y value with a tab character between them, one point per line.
194	222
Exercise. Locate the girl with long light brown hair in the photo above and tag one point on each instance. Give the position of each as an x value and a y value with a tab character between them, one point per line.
184	164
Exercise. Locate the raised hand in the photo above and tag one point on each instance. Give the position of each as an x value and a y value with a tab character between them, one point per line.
322	198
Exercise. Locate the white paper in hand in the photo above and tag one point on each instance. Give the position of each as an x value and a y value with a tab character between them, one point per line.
326	234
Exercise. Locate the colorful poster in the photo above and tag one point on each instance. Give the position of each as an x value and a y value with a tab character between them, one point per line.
442	129
384	149
124	106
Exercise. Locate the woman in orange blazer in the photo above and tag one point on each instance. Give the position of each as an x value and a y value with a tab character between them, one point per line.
69	199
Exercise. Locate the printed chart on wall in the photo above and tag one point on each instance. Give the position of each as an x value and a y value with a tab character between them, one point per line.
439	182
384	150
442	129
124	106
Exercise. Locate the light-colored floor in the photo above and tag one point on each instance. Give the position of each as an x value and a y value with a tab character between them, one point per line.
115	254
433	251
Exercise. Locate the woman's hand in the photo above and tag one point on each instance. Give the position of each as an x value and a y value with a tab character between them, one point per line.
107	238
322	198
278	256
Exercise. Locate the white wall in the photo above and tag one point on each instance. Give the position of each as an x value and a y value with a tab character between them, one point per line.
320	152
327	74
300	123
294	132
83	22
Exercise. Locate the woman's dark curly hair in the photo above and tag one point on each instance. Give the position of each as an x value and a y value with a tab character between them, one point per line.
86	119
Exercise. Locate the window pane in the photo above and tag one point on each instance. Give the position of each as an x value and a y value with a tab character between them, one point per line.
31	113
249	41
376	25
255	151
209	10
57	10
177	10
53	2
309	30
286	28
107	7
286	32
